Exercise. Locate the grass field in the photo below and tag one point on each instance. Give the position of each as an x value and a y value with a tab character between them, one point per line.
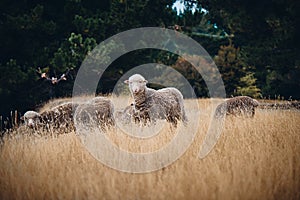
255	158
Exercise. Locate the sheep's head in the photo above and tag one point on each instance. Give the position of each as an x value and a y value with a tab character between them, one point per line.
137	84
30	118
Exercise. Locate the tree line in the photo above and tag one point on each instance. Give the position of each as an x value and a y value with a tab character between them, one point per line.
253	43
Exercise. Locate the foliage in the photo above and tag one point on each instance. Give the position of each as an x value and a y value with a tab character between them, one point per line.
248	86
267	34
231	67
58	35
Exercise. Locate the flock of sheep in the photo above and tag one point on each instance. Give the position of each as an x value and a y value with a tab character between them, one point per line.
149	105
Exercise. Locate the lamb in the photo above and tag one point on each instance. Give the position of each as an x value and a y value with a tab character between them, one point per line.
237	106
150	104
127	114
98	112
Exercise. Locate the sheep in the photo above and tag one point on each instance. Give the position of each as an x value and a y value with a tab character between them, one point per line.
58	119
129	114
31	118
237	106
126	115
296	105
150	104
280	105
98	112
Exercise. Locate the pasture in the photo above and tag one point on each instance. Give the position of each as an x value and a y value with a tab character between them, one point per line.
255	158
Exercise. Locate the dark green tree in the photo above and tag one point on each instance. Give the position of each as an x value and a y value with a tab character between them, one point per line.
57	35
267	33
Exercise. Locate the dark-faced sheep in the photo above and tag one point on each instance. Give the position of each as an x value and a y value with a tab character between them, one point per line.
98	112
150	104
237	106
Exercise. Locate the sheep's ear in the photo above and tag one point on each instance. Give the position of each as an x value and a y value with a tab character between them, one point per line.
146	81
22	118
126	81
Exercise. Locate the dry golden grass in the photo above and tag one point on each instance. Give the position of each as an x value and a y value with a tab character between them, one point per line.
255	158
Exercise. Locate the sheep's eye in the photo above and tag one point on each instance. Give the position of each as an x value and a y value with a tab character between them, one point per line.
140	81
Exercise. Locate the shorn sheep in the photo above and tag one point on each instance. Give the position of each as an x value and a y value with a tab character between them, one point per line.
96	113
150	105
237	106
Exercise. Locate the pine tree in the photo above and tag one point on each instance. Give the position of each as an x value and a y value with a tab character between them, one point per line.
248	86
231	67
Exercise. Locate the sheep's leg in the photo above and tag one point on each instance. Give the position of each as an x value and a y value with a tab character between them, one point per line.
174	123
172	120
252	112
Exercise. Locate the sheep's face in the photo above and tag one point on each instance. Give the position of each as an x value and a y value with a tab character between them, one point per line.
137	84
31	118
30	123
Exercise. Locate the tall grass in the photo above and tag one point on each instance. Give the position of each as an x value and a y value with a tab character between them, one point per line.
255	158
